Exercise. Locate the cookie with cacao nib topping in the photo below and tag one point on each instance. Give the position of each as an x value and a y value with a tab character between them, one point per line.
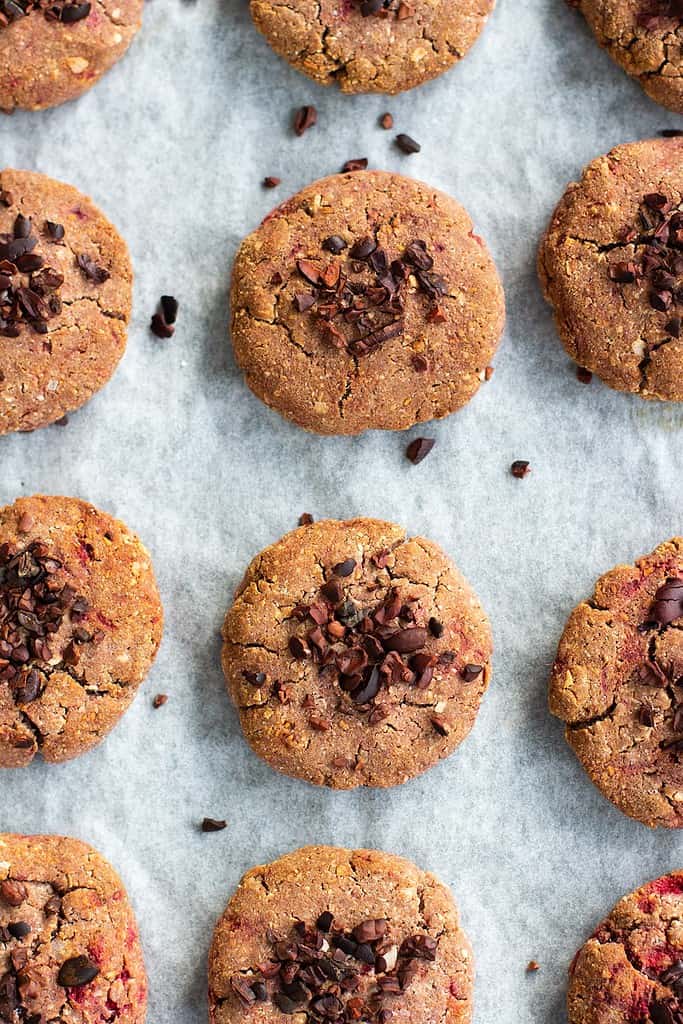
355	655
53	50
365	301
611	265
643	36
65	298
69	944
80	624
340	935
617	682
631	969
383	46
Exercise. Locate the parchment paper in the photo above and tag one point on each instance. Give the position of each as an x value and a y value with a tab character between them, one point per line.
173	145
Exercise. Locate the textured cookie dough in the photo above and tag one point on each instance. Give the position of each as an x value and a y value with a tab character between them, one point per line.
611	265
365	301
631	970
69	946
340	935
356	656
645	37
371	45
80	624
617	680
65	298
58	49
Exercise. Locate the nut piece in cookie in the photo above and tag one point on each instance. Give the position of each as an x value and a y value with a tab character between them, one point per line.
355	655
53	50
383	46
331	934
65	298
611	265
80	625
69	945
631	969
643	36
365	302
617	682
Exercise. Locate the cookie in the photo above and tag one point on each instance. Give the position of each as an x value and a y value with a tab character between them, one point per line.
80	624
340	935
65	299
366	301
611	265
356	656
644	37
631	969
617	680
69	945
53	50
383	46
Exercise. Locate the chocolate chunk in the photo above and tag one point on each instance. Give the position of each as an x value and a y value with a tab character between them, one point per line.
344	568
419	449
325	921
334	244
19	929
407	145
668	603
471	672
79	970
213	825
163	321
584	376
520	468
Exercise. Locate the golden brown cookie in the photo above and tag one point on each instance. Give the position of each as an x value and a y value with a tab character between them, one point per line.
631	969
356	656
69	945
371	45
645	37
65	298
340	935
611	265
53	50
617	682
365	301
80	625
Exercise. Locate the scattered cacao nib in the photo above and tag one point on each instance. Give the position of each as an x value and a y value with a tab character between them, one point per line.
471	672
407	145
646	716
671	133
583	375
159	701
359	164
304	119
488	372
19	929
440	725
419	448
66	11
387	121
271	182
91	270
668	602
79	970
654	14
55	232
435	627
213	825
29	288
419	362
163	321
532	966
520	468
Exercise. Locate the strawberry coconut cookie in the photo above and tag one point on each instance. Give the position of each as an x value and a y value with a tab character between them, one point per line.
631	969
69	945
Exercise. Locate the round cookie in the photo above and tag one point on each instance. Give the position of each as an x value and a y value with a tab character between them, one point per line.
631	969
65	299
611	265
366	301
53	50
340	935
80	625
645	37
383	46
356	656
617	683
69	945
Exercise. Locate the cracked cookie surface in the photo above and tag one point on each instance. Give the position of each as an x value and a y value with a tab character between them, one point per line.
631	969
645	37
47	60
69	945
365	301
80	624
344	935
618	684
611	265
355	655
65	299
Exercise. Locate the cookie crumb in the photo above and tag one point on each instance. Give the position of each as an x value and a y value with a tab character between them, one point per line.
520	468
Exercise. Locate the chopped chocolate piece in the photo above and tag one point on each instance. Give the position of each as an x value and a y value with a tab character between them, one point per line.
304	119
213	825
344	568
520	468
435	627
668	603
407	145
419	449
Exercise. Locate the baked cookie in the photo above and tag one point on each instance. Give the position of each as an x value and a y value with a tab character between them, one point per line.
371	45
617	682
80	624
366	301
69	946
54	50
631	970
356	656
646	38
340	935
611	265
65	298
